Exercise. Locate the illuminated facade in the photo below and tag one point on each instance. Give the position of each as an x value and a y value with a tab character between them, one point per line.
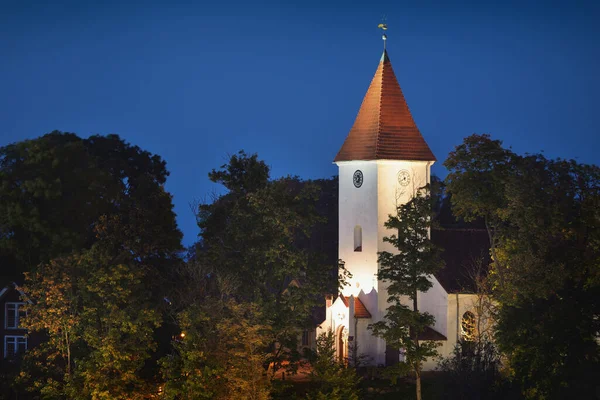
382	162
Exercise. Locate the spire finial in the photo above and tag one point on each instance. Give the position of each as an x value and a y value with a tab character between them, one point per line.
383	27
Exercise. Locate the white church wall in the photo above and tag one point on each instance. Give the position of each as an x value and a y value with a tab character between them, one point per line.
368	345
336	315
391	193
435	302
358	206
369	207
458	304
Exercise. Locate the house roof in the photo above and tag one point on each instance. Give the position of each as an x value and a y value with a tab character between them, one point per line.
384	128
360	311
7	285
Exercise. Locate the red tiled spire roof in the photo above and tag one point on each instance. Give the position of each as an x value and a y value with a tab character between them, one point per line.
384	129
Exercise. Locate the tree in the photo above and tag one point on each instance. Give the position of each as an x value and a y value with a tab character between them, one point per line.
331	380
478	171
472	371
219	350
259	233
89	222
57	189
407	273
99	320
545	257
219	353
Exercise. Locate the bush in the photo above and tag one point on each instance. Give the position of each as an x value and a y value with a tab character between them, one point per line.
330	379
472	371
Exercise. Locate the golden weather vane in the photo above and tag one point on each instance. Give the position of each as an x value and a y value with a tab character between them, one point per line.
383	27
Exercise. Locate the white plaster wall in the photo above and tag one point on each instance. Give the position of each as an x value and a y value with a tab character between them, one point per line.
391	194
358	206
336	315
458	304
370	346
435	302
370	206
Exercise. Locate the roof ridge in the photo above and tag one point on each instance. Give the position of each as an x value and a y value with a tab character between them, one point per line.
384	58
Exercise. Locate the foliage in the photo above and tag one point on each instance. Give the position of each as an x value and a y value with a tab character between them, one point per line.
96	313
478	171
407	273
219	353
331	380
473	371
56	191
551	351
259	233
545	245
89	222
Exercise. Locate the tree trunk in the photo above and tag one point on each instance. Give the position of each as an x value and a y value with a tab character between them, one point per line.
416	340
418	374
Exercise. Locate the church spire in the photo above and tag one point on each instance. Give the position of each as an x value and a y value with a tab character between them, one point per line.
384	128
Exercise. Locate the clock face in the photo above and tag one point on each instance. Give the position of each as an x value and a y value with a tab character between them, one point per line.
357	178
404	177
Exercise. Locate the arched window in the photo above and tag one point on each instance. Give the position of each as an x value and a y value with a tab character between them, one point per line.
357	238
467	326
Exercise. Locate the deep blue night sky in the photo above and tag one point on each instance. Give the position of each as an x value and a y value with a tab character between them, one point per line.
196	81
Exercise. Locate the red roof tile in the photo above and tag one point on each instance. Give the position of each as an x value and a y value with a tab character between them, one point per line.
384	129
360	311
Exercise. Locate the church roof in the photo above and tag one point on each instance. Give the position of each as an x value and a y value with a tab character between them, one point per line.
360	311
384	128
465	251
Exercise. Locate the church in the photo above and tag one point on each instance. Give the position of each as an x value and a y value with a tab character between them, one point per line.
382	163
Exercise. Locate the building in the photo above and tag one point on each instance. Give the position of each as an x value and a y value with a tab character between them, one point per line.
382	163
14	337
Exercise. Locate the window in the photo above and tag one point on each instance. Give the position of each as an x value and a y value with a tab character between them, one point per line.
357	238
14	345
468	326
305	338
14	313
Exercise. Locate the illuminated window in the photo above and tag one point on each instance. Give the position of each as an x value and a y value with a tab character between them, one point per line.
467	326
357	238
14	312
14	345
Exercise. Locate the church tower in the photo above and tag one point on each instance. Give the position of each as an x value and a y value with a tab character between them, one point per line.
382	162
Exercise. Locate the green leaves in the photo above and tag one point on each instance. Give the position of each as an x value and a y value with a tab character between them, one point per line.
407	273
259	234
219	353
99	322
329	378
407	270
90	223
543	222
58	193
